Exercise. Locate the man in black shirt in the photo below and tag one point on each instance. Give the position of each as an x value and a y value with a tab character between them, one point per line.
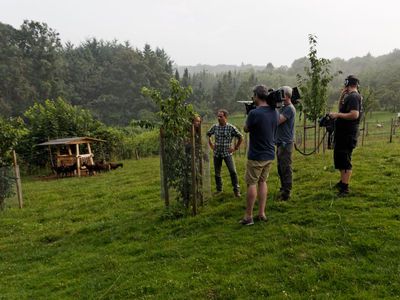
346	131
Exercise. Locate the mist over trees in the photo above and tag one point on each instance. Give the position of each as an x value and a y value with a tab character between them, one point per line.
105	77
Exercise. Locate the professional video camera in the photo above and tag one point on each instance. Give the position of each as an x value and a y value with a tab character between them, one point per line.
274	99
327	122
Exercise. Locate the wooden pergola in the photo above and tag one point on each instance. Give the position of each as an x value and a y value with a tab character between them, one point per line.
70	158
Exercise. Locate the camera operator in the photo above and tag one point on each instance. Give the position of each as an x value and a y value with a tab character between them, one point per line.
224	133
284	143
261	123
346	131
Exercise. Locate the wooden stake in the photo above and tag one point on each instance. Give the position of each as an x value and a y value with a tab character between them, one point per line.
391	131
305	133
78	161
193	150
18	180
201	166
164	167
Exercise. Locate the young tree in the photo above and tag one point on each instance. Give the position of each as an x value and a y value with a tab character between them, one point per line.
175	116
314	86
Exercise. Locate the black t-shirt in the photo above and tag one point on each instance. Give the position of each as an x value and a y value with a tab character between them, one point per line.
349	127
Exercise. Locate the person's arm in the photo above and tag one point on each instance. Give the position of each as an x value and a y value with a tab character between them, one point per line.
236	133
212	146
282	119
352	115
211	132
353	107
239	142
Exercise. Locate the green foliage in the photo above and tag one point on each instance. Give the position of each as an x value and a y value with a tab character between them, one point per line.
144	144
11	132
314	85
52	120
176	117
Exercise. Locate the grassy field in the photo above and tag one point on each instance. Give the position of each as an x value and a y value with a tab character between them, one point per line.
105	237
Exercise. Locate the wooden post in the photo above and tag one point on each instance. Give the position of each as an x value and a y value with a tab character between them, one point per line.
58	156
78	162
18	180
164	167
315	136
305	133
201	166
91	155
193	171
391	131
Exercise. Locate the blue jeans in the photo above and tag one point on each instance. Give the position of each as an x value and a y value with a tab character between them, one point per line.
232	171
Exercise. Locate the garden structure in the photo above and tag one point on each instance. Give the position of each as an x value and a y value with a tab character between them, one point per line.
70	152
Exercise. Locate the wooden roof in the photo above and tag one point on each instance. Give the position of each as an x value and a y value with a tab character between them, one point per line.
71	141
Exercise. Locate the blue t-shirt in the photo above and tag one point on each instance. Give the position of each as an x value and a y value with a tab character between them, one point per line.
262	123
285	132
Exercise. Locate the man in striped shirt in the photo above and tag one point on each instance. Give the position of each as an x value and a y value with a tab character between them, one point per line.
224	133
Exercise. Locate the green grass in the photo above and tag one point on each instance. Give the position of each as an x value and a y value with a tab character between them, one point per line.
104	237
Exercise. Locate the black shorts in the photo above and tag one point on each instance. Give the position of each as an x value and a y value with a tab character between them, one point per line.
342	159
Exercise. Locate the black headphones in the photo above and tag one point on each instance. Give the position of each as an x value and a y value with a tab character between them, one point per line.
351	80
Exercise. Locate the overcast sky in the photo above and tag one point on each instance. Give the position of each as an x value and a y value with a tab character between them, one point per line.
222	32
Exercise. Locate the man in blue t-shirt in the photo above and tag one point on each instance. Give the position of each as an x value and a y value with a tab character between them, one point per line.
261	123
284	144
346	131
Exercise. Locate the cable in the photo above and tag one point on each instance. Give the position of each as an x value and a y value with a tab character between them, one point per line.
312	152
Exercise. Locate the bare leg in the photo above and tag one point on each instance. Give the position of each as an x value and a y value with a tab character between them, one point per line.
262	197
345	176
250	198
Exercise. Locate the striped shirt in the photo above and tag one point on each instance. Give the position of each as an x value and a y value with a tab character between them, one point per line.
223	138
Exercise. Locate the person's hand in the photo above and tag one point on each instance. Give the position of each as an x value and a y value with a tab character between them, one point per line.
212	146
333	115
231	149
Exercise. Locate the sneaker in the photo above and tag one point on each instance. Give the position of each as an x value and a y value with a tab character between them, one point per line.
246	222
262	218
237	194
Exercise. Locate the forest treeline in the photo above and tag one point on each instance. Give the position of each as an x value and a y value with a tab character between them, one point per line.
106	77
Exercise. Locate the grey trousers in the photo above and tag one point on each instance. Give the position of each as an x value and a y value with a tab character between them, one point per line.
232	171
284	157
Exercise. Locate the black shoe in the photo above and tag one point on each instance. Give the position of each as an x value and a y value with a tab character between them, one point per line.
284	195
237	194
246	222
338	185
343	193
